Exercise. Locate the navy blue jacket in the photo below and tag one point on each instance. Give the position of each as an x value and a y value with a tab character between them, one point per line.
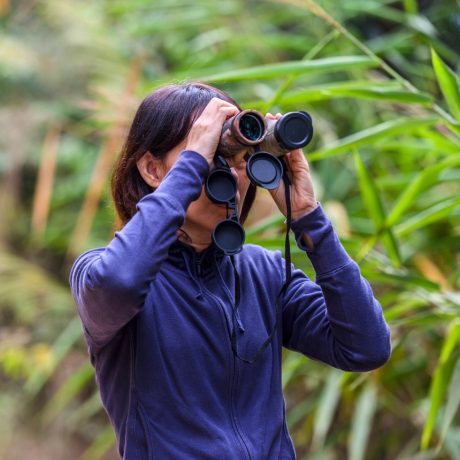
157	317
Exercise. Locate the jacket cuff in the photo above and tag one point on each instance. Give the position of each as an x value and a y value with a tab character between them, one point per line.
184	180
327	253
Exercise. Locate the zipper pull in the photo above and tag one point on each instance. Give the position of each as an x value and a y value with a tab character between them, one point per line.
239	322
198	266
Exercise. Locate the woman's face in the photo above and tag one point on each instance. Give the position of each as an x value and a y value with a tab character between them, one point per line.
203	214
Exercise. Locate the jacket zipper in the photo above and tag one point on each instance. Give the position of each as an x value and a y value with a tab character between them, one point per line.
232	392
198	265
236	428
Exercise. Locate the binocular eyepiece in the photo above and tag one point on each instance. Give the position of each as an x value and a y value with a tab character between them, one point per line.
250	128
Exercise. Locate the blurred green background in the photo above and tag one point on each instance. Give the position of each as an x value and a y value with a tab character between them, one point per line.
380	78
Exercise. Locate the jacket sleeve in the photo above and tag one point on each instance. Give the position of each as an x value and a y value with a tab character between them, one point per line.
109	284
335	320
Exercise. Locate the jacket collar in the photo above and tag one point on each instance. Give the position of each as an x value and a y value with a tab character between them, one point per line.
185	256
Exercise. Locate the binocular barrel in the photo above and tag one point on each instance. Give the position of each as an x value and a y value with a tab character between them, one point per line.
250	128
246	129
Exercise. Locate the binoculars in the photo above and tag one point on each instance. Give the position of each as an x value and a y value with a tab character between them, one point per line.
265	140
250	128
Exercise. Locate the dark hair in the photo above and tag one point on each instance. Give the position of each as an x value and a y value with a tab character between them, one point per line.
162	121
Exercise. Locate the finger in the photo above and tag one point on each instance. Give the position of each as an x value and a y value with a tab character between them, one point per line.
224	113
218	101
278	196
216	104
277	192
218	113
229	110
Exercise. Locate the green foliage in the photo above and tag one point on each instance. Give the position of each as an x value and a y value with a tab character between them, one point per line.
380	80
362	422
441	378
448	83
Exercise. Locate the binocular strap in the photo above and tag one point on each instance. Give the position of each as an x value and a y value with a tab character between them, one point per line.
287	253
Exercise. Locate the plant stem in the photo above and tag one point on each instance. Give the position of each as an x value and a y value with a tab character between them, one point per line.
317	10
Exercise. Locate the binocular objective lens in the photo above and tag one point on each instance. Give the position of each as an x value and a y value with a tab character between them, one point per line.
251	127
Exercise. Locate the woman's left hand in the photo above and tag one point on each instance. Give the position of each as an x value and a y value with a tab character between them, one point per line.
303	199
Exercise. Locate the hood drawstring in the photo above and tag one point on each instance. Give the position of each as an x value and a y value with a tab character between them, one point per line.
287	252
236	293
237	287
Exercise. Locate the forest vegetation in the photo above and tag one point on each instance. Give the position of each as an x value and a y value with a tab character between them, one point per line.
381	81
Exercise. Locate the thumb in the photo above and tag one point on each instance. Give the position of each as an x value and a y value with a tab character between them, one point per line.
278	195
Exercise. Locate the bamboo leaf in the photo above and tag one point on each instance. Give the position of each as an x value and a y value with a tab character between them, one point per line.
452	404
83	412
269	222
291	366
410	6
428	216
440	381
101	445
60	348
373	203
369	192
421	183
362	423
357	89
327	405
282	69
405	281
369	135
311	54
68	390
448	83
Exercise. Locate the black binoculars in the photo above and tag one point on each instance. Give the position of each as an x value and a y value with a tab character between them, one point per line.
265	140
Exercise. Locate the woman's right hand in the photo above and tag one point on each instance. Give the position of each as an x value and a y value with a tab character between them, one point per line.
205	132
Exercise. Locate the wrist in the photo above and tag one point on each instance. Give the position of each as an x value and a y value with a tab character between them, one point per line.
297	215
199	150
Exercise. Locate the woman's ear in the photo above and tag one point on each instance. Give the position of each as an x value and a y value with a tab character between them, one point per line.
151	169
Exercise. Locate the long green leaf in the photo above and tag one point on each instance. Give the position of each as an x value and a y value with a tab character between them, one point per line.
273	221
420	184
85	411
101	445
369	135
356	89
265	106
362	423
282	69
448	83
327	405
452	404
68	390
291	366
428	216
371	198
410	6
440	381
61	347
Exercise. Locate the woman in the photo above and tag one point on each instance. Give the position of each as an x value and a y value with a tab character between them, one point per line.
178	377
